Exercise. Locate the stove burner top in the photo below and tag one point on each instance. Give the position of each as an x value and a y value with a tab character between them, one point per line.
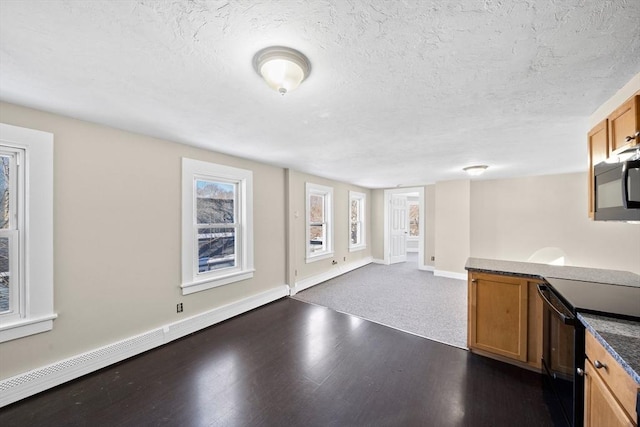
599	298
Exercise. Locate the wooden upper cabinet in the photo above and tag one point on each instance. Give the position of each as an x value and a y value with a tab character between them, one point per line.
498	309
624	126
598	151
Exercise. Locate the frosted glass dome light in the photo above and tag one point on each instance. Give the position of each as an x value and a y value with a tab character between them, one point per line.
281	67
475	170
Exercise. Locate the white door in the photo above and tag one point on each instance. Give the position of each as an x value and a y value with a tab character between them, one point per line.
399	229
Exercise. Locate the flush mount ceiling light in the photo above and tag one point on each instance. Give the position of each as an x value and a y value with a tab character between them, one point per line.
475	170
281	67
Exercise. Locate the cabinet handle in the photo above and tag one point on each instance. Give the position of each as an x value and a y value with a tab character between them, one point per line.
581	372
599	365
630	137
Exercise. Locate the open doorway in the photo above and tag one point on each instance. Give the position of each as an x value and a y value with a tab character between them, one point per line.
404	225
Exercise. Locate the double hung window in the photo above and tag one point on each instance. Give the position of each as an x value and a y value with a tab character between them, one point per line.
319	224
217	226
357	202
12	296
26	232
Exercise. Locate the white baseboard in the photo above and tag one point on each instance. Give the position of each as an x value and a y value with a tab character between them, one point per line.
327	275
450	274
379	261
40	379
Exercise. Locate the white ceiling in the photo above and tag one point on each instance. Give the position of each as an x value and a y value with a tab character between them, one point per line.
401	92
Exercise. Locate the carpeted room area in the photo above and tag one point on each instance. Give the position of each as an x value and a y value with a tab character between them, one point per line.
399	296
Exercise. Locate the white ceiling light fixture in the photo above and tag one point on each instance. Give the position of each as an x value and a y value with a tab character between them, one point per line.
475	170
281	67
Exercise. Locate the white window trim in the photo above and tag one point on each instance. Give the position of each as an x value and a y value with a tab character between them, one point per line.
191	280
327	192
37	313
355	195
15	234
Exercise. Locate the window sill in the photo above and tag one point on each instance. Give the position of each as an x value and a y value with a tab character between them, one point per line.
203	285
26	327
357	248
314	258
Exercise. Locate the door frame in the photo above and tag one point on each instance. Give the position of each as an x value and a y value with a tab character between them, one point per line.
421	222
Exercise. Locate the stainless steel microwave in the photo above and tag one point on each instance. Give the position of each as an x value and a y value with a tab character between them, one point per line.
617	191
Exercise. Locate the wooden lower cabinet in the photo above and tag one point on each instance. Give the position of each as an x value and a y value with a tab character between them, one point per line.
505	318
609	392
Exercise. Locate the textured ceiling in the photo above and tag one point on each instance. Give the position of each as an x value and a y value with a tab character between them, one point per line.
401	92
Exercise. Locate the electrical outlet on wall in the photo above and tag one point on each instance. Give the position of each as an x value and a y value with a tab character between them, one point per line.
433	258
179	307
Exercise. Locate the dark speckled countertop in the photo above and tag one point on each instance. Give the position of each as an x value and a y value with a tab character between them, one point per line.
542	271
620	337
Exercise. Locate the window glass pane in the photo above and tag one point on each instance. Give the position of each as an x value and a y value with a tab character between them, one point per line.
316	205
355	233
216	248
316	238
5	164
215	202
4	274
355	210
414	214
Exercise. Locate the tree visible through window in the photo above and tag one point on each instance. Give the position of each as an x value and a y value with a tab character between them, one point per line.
9	232
26	232
217	225
319	232
414	217
356	220
317	224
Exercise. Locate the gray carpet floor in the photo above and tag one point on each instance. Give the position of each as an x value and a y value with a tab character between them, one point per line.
399	296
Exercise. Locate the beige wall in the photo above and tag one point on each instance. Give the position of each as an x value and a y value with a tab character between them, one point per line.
430	225
377	224
117	237
297	226
512	219
452	225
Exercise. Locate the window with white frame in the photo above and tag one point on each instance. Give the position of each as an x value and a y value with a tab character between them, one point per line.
319	224
217	225
414	218
26	232
357	206
11	230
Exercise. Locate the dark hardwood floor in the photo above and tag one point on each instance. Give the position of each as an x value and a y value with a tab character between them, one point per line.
290	363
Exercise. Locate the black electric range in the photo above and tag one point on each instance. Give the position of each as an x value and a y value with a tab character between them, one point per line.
598	298
564	334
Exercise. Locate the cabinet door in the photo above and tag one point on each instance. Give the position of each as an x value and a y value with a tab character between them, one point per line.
598	151
624	125
601	409
498	315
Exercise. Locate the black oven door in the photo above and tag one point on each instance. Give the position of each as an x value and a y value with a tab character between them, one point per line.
563	354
